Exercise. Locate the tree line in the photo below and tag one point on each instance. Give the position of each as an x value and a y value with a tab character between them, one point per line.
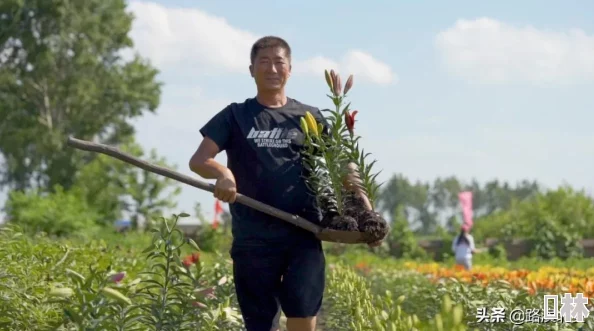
426	205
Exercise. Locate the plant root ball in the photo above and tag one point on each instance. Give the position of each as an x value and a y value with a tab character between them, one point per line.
328	218
353	202
354	206
343	223
373	224
356	218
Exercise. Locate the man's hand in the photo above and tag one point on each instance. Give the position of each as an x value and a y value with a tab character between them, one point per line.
225	189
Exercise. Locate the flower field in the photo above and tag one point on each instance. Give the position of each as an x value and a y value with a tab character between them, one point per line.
544	280
161	281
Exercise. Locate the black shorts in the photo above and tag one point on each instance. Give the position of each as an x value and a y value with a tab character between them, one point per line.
258	269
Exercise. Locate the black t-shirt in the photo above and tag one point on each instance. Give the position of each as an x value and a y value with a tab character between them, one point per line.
263	147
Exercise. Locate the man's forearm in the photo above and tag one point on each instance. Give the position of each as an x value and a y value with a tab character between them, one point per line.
209	168
352	182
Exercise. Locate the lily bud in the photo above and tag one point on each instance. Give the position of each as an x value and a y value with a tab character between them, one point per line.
206	293
337	86
304	125
199	304
348	85
75	274
63	292
328	80
311	123
116	295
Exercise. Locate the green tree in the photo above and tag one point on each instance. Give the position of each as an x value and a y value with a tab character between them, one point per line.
499	196
428	206
149	193
396	193
198	213
453	224
61	74
445	192
111	186
401	240
399	192
102	185
554	221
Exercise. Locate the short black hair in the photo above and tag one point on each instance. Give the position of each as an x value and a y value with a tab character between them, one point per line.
269	42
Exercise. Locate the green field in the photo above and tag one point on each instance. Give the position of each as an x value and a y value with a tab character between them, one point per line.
59	284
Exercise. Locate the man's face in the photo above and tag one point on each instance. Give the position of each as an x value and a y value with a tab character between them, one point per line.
271	69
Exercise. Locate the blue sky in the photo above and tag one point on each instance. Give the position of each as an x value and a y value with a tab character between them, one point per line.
485	90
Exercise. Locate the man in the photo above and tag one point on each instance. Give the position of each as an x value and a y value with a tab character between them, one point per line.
275	264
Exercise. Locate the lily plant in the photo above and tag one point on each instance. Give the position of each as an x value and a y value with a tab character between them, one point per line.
333	156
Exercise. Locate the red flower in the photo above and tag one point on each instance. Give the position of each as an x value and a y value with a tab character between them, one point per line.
349	118
191	259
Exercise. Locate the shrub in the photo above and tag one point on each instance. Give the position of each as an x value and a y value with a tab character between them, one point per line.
58	213
402	241
554	222
213	239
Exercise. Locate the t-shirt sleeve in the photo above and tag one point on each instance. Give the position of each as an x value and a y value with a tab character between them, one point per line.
218	128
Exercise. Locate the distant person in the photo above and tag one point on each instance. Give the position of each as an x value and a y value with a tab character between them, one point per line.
463	247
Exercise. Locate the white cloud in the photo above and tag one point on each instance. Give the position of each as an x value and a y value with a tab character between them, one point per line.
358	63
198	41
183	36
489	51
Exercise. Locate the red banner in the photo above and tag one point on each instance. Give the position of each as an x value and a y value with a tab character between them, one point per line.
218	211
466	204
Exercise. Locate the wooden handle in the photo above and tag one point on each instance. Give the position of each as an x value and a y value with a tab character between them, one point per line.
244	200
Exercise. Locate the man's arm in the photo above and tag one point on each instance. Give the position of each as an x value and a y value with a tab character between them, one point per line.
203	161
217	135
204	164
352	182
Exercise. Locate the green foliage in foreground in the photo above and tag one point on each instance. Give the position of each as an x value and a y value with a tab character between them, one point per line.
72	284
67	286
